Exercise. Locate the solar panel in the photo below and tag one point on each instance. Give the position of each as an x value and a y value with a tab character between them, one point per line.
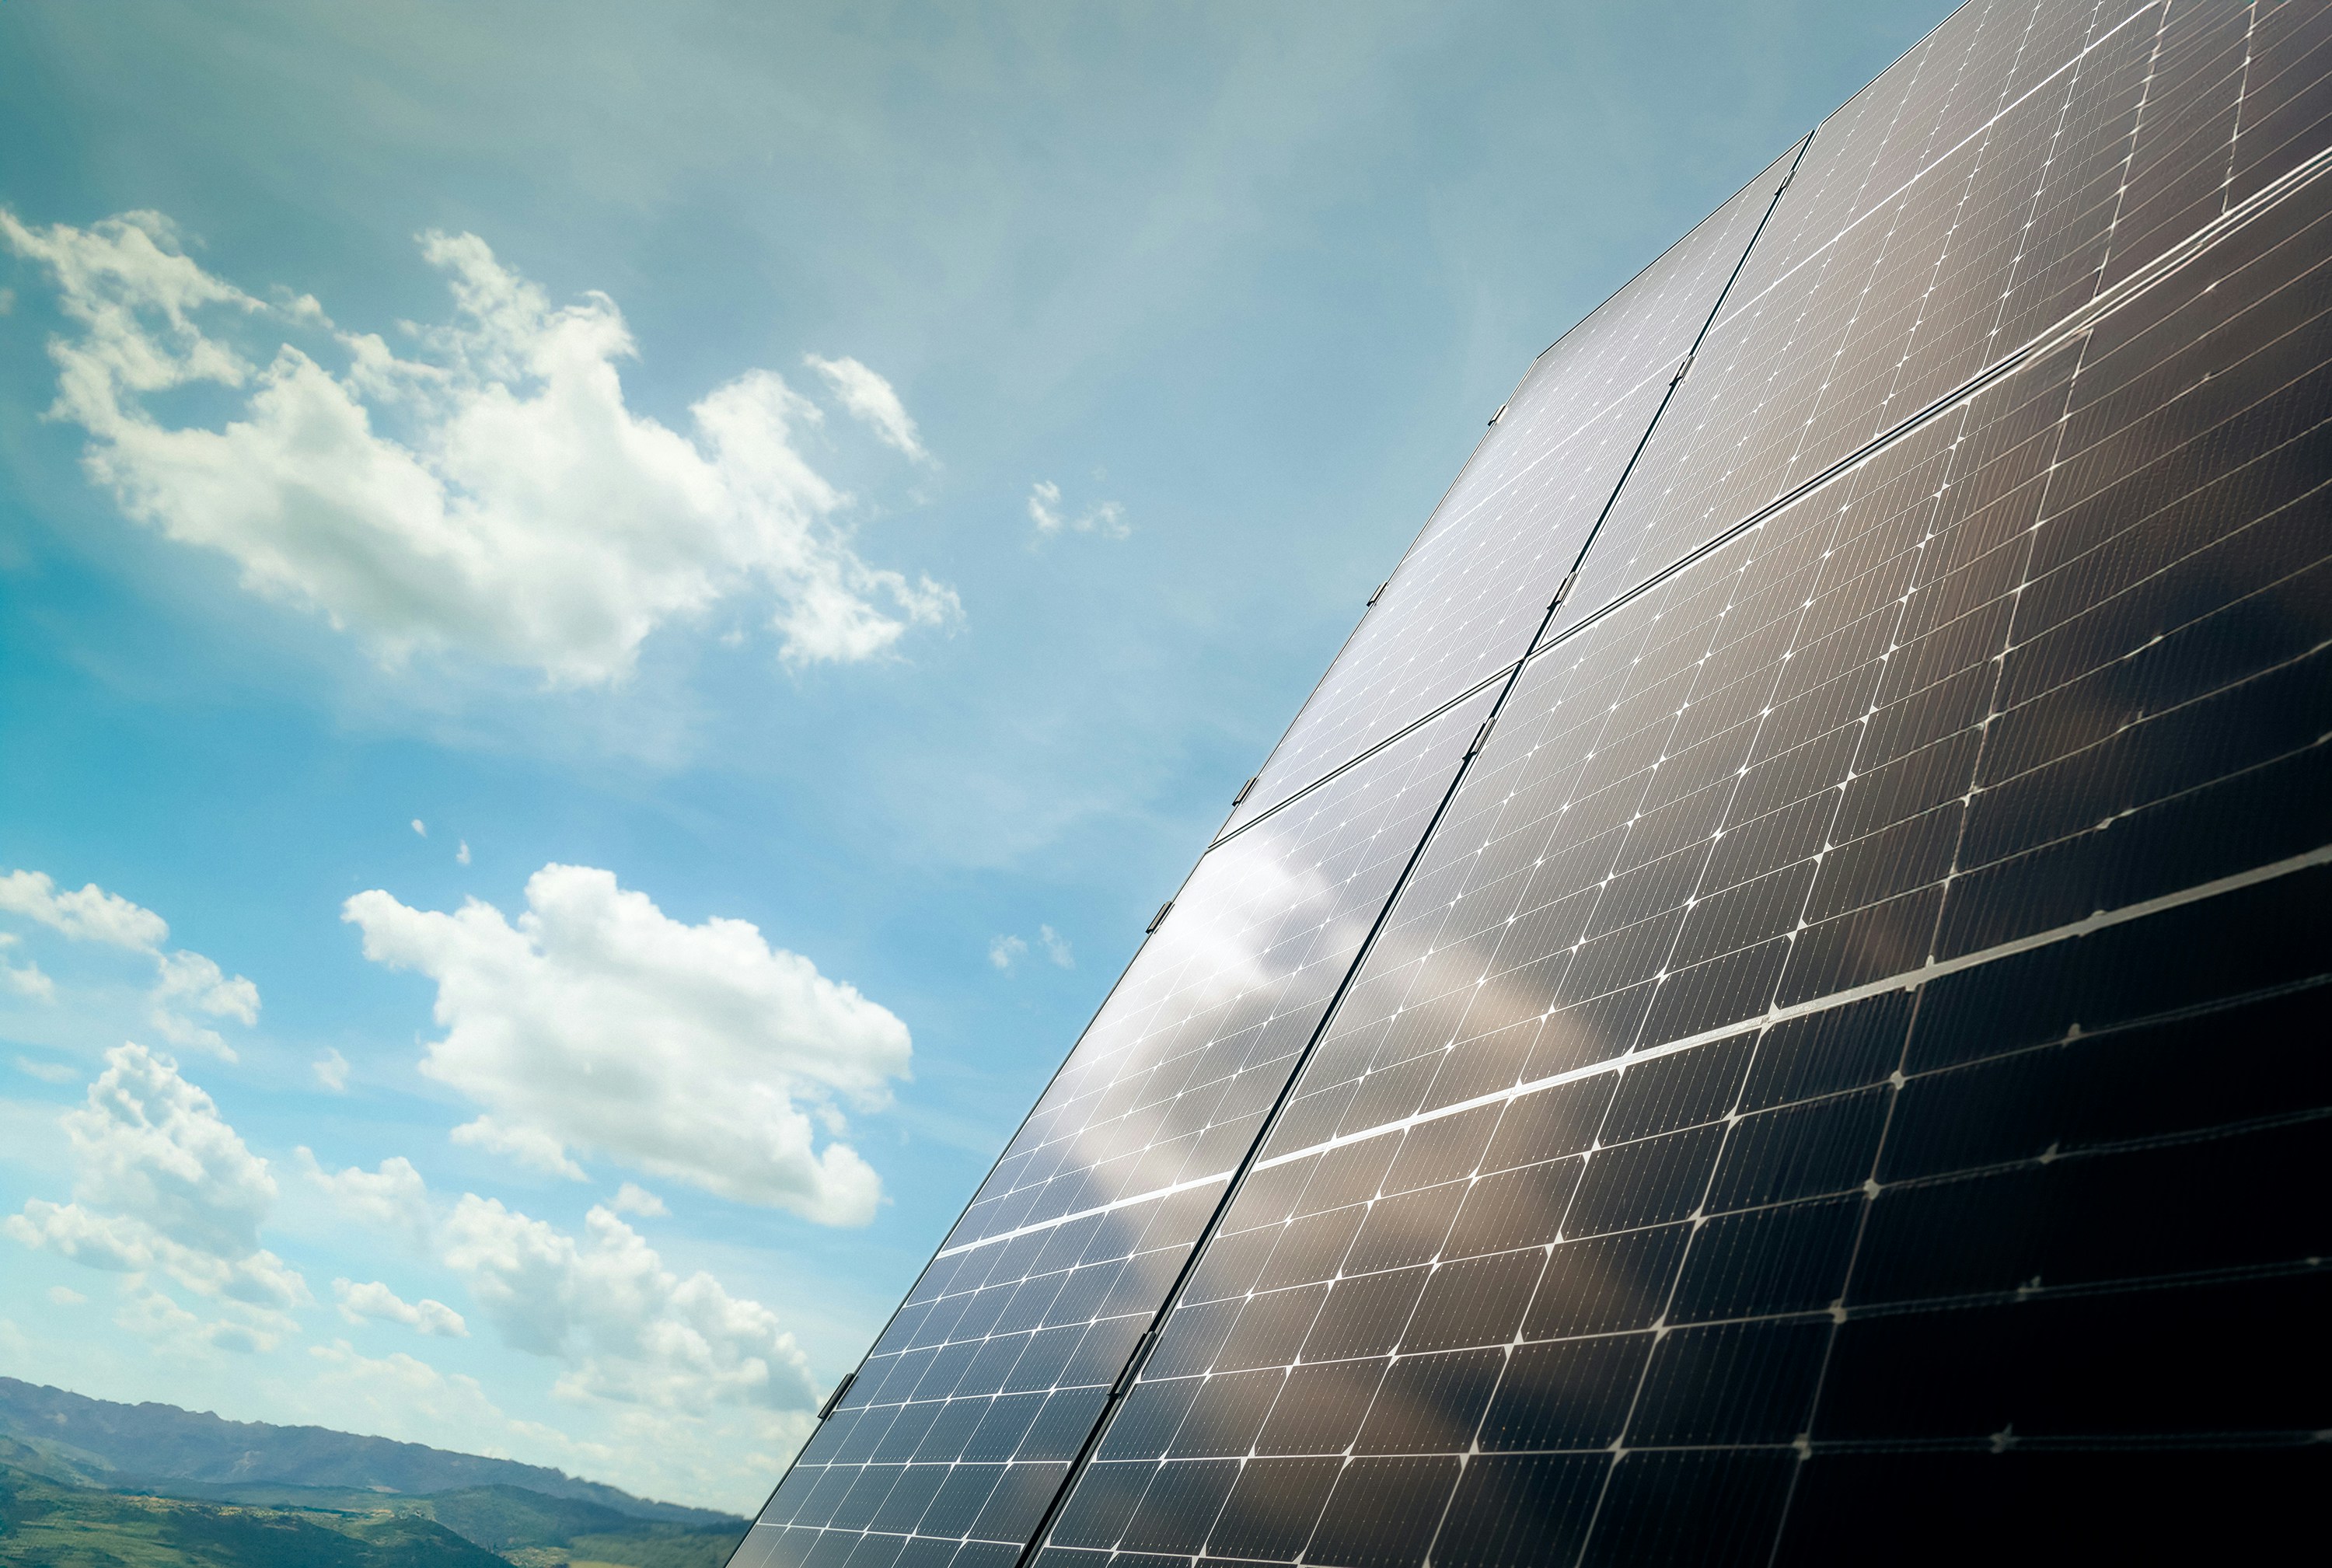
960	1425
1963	204
1835	1071
1775	1070
1470	595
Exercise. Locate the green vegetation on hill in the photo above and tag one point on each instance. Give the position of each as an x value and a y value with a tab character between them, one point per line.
44	1524
47	1520
109	1444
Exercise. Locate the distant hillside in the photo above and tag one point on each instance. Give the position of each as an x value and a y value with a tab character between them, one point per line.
117	1446
45	1524
47	1520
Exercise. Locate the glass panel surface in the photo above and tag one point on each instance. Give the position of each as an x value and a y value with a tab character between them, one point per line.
1957	212
964	1417
1866	992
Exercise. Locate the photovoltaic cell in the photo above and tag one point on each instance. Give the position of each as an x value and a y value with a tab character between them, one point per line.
1779	1065
1465	599
1841	1073
961	1423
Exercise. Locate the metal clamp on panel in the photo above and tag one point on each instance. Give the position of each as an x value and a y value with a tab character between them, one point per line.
1379	590
1244	790
1158	919
834	1399
1142	1349
1563	592
1683	365
1481	735
1501	414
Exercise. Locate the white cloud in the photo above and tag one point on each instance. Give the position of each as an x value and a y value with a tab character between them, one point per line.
402	1396
871	399
394	1197
27	981
376	1300
184	980
1003	951
529	1145
47	1072
162	1182
199	983
420	827
494	498
1106	518
632	1198
92	915
173	1331
331	1070
462	854
596	1024
65	1295
628	1328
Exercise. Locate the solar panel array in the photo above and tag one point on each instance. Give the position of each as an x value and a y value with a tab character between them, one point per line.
1835	1064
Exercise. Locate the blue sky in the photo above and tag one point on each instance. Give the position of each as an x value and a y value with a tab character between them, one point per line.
610	622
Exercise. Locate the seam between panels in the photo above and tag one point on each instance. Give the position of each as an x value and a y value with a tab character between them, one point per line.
1620	486
1406	550
1506	681
1357	758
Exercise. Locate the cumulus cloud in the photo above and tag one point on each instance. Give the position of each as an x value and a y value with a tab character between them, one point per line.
628	1328
1003	951
420	828
462	854
1057	947
493	497
871	400
25	980
632	1198
376	1300
625	1327
186	982
91	915
331	1070
596	1024
164	1184
1106	518
392	1197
